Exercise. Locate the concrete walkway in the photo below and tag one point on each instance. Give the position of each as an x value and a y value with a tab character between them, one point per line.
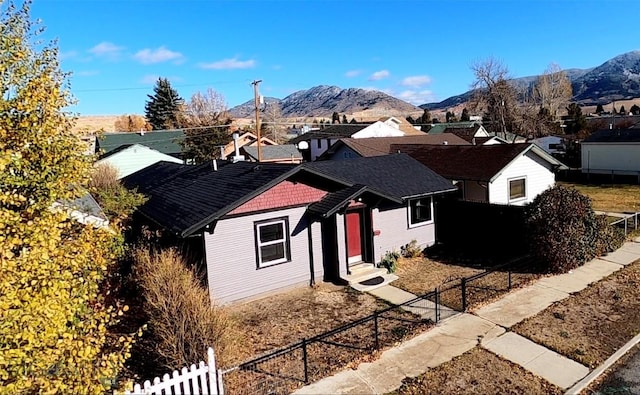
488	327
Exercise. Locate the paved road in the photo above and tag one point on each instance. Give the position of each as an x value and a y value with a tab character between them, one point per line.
625	379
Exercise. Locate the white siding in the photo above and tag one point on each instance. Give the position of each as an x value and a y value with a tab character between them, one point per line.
324	145
378	129
394	230
135	158
231	257
538	177
610	158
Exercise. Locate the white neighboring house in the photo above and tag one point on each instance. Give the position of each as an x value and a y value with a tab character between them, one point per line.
130	158
612	151
551	144
501	173
319	141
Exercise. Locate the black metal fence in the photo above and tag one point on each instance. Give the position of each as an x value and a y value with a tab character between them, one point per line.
283	370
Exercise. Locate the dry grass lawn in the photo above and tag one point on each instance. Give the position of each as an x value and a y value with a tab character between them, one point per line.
614	198
477	372
592	324
421	275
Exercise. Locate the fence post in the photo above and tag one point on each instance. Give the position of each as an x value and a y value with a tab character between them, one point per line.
463	286
625	226
375	328
304	358
509	279
437	304
211	372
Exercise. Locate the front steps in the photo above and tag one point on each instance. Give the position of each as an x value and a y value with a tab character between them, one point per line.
367	271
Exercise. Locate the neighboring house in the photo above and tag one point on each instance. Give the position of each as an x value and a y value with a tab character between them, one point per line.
165	141
489	140
285	153
554	145
85	210
246	139
501	173
317	142
128	159
349	148
468	133
265	227
612	151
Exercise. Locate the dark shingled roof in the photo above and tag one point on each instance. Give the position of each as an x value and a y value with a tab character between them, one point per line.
332	202
184	198
396	175
614	136
474	162
377	146
166	141
464	133
332	132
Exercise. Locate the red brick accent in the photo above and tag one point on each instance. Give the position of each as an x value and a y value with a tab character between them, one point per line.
284	194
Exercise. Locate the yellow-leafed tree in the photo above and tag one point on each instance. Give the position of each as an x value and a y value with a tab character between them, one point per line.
54	312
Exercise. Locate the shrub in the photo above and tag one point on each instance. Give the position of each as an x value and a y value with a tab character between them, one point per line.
182	321
390	261
609	239
562	229
117	202
411	250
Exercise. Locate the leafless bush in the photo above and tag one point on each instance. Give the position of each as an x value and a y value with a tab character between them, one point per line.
104	177
182	321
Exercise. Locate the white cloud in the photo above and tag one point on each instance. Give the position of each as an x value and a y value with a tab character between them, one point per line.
417	97
106	50
416	80
352	73
229	64
159	55
379	75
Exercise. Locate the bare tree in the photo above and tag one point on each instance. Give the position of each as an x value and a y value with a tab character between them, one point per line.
206	122
495	96
131	123
553	90
273	124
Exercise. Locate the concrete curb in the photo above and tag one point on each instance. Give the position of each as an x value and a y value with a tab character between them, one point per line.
588	379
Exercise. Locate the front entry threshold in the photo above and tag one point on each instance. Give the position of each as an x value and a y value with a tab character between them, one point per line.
367	271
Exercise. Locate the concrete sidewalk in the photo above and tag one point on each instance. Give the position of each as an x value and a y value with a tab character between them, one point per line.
486	327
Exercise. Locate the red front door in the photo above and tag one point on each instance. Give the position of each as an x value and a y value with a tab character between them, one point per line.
354	238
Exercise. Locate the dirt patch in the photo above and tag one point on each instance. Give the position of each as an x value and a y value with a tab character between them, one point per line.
422	275
592	324
477	371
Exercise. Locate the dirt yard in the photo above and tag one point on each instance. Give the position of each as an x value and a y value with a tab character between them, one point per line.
592	324
421	275
477	372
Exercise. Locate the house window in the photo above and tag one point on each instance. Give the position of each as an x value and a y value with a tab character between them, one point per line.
420	211
272	242
517	189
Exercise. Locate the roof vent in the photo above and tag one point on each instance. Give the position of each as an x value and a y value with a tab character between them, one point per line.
445	142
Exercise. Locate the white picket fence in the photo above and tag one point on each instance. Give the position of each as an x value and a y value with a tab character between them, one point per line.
201	379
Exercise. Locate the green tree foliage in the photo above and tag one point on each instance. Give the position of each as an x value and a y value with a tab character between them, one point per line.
464	117
162	108
425	121
599	109
451	117
635	109
206	122
335	117
623	111
576	121
564	231
54	316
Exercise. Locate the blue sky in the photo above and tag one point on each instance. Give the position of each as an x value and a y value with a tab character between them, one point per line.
419	51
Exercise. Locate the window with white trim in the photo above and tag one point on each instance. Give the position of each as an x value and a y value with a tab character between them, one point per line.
272	242
420	211
517	189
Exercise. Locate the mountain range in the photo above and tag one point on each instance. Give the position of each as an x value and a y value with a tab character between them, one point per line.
615	79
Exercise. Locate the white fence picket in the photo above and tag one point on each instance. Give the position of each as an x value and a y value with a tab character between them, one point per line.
195	380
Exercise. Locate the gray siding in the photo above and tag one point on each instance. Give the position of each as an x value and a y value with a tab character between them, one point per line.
343	153
394	230
231	257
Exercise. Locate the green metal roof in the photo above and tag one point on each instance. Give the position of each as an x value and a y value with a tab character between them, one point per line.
438	128
167	142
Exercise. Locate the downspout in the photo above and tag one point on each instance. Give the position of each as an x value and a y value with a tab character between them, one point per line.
312	281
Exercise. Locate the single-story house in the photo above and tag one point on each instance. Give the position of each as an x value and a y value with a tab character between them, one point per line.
318	141
285	153
164	141
500	173
612	151
128	159
265	227
348	148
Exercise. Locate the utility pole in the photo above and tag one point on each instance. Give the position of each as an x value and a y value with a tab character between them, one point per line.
256	100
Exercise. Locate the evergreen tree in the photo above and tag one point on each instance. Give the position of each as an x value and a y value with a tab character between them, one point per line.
450	117
425	121
464	117
344	118
599	109
55	317
623	111
335	117
576	120
635	109
410	119
163	107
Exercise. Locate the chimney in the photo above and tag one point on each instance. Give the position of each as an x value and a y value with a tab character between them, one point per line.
237	157
141	132
222	155
215	165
